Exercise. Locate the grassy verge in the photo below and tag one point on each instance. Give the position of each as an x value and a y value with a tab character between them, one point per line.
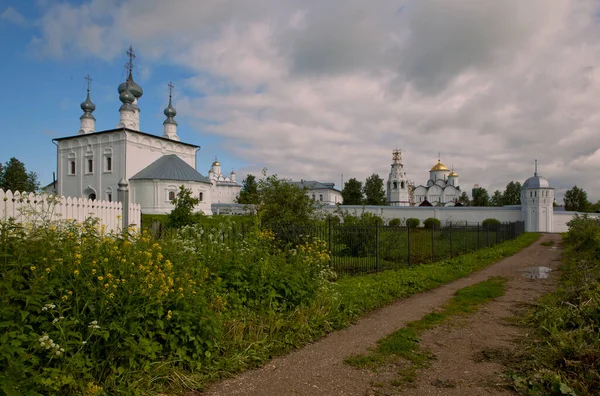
253	340
561	354
404	343
360	294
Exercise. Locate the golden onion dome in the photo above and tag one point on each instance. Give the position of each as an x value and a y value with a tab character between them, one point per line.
216	163
439	167
453	174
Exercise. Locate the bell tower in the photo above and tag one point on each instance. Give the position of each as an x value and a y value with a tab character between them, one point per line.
397	185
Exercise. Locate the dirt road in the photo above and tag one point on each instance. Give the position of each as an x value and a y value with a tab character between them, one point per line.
466	354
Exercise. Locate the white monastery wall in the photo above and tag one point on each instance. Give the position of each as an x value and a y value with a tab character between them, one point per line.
444	214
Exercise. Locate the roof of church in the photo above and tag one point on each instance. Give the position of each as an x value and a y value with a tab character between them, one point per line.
314	185
439	167
536	182
128	130
170	167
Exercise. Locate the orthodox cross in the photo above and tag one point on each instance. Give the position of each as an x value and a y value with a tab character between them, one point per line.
535	168
88	79
131	55
171	86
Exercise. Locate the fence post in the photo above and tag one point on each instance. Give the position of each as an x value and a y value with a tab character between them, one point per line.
123	196
376	246
330	248
433	242
450	239
477	236
466	236
408	241
487	235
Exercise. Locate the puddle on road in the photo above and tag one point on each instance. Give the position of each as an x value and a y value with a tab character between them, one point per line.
536	272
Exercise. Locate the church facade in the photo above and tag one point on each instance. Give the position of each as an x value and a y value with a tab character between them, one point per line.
442	188
92	163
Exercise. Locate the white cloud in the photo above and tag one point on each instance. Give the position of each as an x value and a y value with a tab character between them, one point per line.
13	16
313	89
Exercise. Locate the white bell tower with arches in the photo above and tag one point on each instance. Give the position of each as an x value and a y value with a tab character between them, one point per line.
397	185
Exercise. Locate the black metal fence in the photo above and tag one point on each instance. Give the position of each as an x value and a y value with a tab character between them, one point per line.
356	249
360	249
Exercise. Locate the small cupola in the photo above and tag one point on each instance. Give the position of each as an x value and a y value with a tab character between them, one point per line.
87	119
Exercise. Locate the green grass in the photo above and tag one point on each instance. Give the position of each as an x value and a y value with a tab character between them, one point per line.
404	343
561	354
360	294
547	243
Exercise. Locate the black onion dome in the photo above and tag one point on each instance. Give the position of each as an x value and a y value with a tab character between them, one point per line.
135	89
88	106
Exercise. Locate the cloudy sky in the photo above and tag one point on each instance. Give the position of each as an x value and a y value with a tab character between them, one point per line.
315	89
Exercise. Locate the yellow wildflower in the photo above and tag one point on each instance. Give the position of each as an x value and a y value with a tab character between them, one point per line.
100	278
48	270
169	314
76	272
32	268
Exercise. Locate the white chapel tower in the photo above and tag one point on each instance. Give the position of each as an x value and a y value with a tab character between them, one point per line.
537	198
397	185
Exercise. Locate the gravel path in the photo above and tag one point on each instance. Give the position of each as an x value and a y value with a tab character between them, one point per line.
318	369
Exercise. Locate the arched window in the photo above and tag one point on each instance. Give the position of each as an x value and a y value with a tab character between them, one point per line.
402	185
201	196
72	164
171	195
395	185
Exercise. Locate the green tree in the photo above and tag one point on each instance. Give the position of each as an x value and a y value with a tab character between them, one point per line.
183	212
576	200
249	191
14	177
512	194
373	190
352	193
480	197
463	199
497	199
283	204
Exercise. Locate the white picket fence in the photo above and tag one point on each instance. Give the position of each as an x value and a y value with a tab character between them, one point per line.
29	206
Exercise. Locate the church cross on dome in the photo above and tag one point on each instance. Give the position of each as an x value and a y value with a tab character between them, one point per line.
171	86
536	173
88	80
131	56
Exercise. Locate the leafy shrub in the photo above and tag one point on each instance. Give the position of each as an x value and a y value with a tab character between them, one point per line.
413	222
183	212
492	224
358	237
83	311
431	223
395	222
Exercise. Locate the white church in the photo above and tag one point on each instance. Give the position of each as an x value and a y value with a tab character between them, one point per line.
441	189
91	163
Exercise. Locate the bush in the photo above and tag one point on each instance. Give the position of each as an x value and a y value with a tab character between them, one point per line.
492	224
431	223
395	222
183	212
413	222
84	312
